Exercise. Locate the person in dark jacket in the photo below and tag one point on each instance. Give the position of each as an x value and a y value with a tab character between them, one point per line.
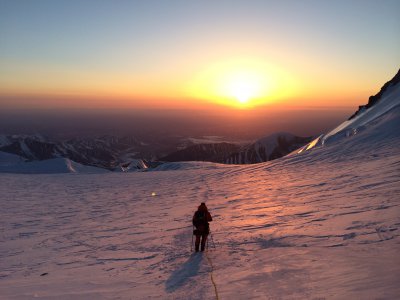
200	220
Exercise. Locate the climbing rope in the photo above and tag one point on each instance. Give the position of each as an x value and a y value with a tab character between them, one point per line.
211	276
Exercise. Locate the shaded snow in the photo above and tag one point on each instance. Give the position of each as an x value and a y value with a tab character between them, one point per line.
187	165
55	165
7	159
4	141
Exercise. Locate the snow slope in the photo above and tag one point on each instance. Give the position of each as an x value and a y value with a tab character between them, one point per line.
388	101
7	159
10	163
323	224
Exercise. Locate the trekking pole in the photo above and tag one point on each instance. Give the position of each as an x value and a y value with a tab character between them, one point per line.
212	239
191	244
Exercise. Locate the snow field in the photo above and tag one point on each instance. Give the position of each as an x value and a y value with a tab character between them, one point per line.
292	229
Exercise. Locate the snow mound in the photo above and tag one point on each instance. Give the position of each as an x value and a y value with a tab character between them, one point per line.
48	166
7	159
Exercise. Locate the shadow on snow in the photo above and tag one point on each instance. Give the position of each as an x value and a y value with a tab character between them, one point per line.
180	276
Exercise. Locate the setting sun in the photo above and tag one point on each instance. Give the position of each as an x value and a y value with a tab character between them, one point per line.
243	87
240	83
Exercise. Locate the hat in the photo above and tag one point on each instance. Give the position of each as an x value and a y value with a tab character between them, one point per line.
202	207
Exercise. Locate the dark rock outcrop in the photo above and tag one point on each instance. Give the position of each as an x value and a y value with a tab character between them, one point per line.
375	99
269	148
217	152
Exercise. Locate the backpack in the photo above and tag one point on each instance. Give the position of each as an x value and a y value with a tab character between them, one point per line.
200	219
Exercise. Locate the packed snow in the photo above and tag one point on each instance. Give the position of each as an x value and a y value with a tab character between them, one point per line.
322	224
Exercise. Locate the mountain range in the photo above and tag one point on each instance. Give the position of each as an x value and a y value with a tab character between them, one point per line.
127	153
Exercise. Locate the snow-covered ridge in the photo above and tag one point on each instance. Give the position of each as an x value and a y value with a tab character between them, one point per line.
389	98
109	152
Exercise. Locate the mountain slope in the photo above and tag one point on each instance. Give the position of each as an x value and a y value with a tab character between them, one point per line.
107	152
265	149
10	163
384	102
268	148
216	152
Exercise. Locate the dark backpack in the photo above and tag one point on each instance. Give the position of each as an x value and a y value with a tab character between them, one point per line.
200	218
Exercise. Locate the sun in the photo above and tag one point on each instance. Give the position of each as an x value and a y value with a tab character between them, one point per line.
241	83
243	90
242	87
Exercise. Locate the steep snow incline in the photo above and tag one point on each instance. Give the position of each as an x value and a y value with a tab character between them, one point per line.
321	225
390	99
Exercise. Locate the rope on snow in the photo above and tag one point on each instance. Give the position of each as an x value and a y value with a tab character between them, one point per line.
211	276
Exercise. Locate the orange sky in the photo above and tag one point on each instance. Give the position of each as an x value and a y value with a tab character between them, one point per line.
247	55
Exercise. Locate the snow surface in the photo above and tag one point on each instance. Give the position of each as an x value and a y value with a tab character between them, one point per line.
10	163
7	159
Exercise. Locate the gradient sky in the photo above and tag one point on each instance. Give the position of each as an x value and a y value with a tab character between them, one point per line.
169	54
